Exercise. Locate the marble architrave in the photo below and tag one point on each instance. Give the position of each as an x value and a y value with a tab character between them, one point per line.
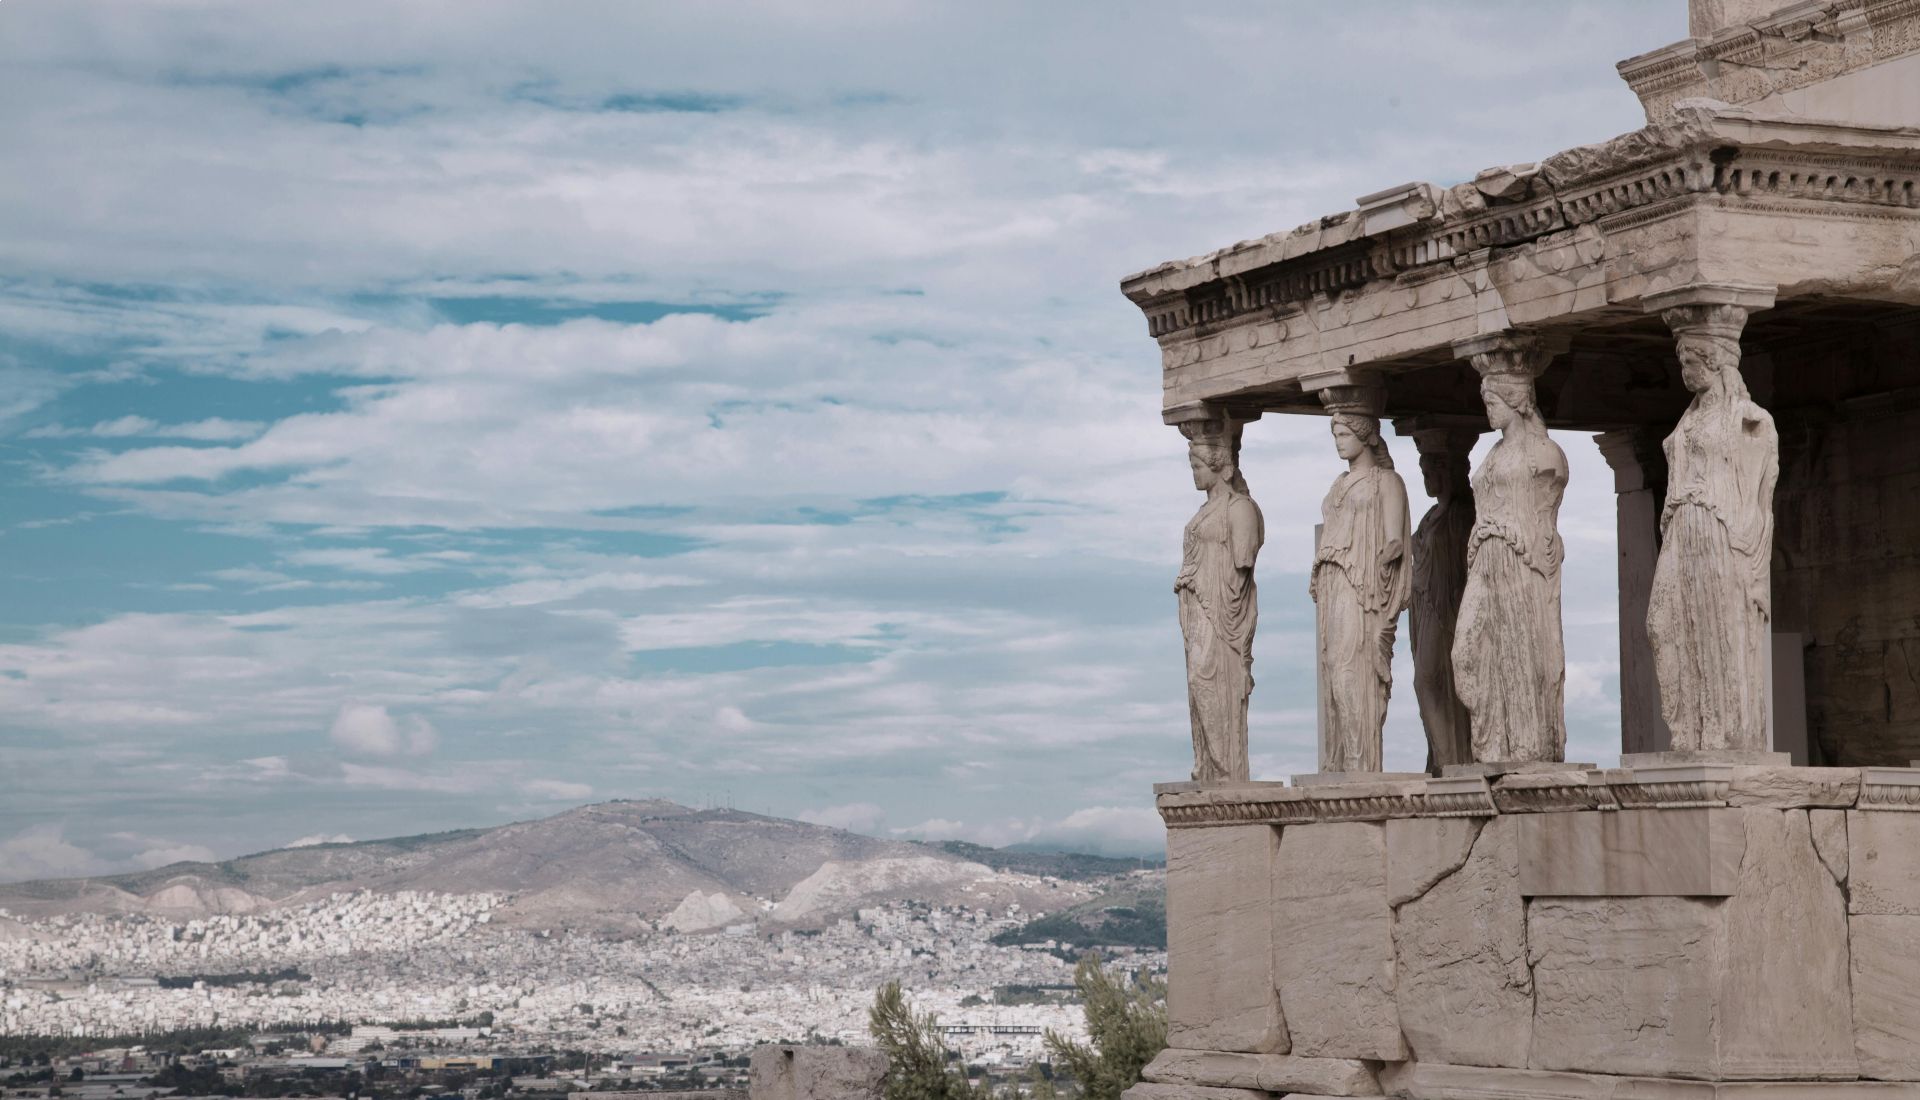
1508	655
1360	584
1219	607
1711	601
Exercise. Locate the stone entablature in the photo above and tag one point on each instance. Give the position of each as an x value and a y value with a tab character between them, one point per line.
1665	930
1794	47
1581	236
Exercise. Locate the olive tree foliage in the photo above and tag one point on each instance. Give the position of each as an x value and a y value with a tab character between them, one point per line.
1126	1027
918	1067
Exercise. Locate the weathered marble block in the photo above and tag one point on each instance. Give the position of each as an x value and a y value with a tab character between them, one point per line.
1220	987
1464	991
1883	868
1278	1073
1333	942
1752	986
1632	853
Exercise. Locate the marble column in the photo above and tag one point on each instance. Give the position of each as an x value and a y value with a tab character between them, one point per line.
1710	605
1439	581
1509	661
1361	578
1639	485
1217	599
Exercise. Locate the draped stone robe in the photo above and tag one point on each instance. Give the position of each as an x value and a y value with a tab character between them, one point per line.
1509	661
1359	600
1711	605
1439	581
1218	612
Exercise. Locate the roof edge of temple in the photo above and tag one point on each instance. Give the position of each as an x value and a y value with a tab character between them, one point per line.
1413	225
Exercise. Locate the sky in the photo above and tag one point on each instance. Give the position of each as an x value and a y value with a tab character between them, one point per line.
430	415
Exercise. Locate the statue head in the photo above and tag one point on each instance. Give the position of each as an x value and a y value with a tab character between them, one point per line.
1355	434
1509	398
1707	340
1213	453
1705	358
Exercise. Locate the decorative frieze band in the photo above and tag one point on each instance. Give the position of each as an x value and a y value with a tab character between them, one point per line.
1666	786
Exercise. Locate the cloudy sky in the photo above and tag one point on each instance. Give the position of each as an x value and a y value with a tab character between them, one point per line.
434	414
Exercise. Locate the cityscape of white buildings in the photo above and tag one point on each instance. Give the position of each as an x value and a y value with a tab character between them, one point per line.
370	958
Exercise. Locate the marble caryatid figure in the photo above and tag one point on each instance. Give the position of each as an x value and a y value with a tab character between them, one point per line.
1360	582
1708	613
1439	580
1218	608
1508	660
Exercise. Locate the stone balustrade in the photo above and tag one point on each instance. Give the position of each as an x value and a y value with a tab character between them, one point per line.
1673	930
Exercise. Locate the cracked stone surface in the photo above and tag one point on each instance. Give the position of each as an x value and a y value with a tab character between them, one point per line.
1333	942
1886	995
1464	989
1883	863
1220	988
1784	1000
1423	850
1830	840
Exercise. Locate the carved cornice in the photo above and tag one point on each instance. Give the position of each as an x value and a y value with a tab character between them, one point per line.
1670	787
1721	156
1549	793
1647	787
1798	46
1890	788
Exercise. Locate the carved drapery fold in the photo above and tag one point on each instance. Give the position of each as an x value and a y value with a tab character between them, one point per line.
1360	582
1508	656
1439	563
1710	606
1217	599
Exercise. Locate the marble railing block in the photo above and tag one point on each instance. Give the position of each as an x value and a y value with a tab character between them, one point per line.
1430	1081
1333	942
1883	856
1151	1091
1464	989
1278	1073
1631	853
1148	1090
1624	985
1220	987
1752	986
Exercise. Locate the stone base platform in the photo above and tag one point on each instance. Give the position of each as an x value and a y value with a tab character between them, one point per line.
1179	1078
1683	929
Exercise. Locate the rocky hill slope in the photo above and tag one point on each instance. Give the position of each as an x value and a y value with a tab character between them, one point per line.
609	867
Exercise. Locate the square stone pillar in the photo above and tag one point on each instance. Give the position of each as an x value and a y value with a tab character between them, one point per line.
1639	484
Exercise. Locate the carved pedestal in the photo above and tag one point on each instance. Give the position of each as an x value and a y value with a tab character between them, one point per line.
1677	931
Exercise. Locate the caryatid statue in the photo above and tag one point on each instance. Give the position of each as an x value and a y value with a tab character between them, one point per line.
1360	583
1439	580
1709	611
1218	609
1509	662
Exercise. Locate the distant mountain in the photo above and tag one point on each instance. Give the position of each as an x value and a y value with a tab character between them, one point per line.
610	867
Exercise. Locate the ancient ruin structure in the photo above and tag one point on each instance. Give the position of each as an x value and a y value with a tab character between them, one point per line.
1728	300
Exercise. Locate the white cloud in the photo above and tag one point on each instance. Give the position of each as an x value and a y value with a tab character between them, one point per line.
697	550
558	790
368	730
857	817
166	853
43	851
319	838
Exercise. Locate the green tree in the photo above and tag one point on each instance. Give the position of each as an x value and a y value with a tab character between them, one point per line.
916	1055
1127	1023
